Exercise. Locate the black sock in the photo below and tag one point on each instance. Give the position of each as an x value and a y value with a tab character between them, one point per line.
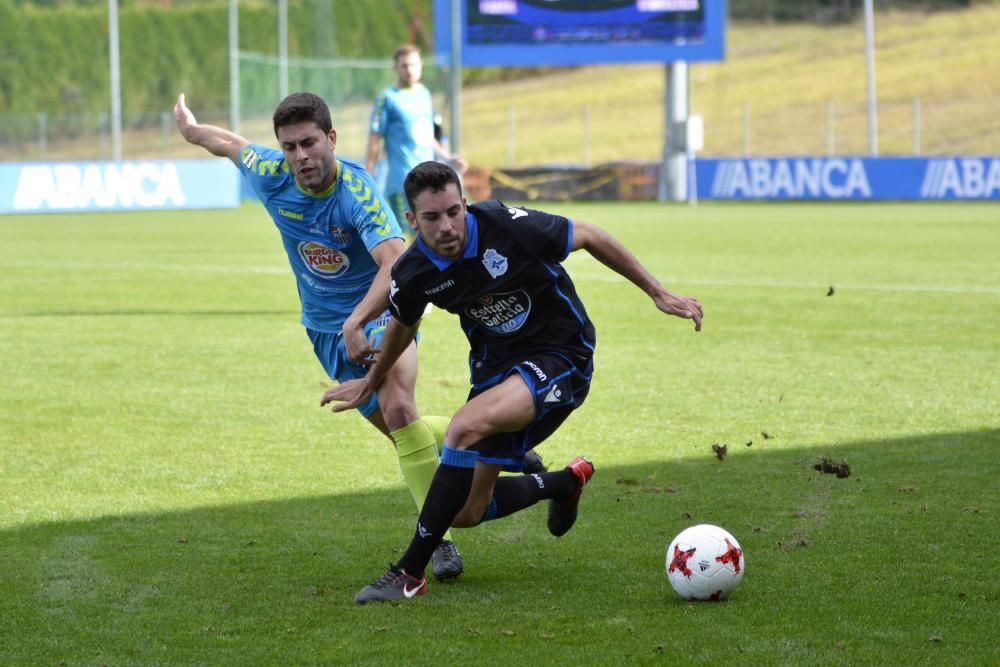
513	494
446	497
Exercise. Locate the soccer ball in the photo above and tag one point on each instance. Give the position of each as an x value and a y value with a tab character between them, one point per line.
704	562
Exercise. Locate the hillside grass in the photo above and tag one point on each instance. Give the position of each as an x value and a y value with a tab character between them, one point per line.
786	74
781	75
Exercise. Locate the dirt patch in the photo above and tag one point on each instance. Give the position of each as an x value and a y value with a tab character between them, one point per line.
830	467
720	451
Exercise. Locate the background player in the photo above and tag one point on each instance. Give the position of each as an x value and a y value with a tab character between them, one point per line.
403	121
531	358
341	242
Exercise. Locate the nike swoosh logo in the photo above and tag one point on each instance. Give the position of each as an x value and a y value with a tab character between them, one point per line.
410	593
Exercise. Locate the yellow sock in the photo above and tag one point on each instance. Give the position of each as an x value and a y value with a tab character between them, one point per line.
418	460
439	425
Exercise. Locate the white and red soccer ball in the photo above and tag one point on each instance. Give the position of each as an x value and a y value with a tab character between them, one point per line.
704	562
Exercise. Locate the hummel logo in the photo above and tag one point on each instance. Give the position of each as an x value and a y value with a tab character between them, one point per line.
554	395
423	532
516	213
409	593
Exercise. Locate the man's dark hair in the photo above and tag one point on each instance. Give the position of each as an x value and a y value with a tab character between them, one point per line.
433	176
302	108
405	50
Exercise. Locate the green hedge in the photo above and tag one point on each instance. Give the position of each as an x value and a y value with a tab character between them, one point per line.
54	53
54	59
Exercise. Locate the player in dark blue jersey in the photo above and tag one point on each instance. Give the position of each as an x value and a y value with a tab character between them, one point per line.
341	239
499	269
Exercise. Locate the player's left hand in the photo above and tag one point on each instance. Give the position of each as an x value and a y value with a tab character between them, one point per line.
681	306
183	115
350	394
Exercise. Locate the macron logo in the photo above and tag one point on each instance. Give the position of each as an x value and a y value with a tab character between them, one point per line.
516	213
423	532
554	395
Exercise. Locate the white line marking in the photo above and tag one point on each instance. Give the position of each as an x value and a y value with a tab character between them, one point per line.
578	274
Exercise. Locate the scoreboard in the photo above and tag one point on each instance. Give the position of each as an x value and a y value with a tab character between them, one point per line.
579	32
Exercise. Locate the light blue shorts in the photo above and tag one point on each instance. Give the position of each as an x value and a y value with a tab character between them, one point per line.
330	350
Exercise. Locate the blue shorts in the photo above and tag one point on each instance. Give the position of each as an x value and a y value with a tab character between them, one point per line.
559	383
330	350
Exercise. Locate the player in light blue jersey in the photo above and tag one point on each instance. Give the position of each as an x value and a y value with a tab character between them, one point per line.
403	120
341	240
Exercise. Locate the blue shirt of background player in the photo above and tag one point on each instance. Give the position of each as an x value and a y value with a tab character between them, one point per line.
328	237
404	118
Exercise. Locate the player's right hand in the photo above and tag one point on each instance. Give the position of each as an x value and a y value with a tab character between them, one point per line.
350	395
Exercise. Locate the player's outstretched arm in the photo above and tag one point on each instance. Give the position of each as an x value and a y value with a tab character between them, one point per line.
372	152
457	162
354	393
215	140
610	252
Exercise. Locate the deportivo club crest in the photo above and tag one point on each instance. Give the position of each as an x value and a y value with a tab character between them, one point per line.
494	262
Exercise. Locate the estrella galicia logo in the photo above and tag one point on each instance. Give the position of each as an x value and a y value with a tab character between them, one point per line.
501	313
494	262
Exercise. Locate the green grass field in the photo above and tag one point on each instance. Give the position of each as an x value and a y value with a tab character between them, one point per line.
172	493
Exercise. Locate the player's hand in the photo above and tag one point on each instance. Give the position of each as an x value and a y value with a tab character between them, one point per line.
359	348
183	115
349	395
681	306
459	164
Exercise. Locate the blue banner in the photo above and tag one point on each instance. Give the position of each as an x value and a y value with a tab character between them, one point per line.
46	187
932	178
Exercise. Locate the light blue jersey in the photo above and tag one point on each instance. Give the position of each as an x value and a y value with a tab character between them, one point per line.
404	118
328	237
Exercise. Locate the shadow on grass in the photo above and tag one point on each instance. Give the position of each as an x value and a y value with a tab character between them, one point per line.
894	560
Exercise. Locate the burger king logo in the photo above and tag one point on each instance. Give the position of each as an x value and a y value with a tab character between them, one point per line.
322	261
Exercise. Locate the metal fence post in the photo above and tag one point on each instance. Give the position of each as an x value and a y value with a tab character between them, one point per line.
510	137
746	129
165	129
104	135
42	135
830	137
